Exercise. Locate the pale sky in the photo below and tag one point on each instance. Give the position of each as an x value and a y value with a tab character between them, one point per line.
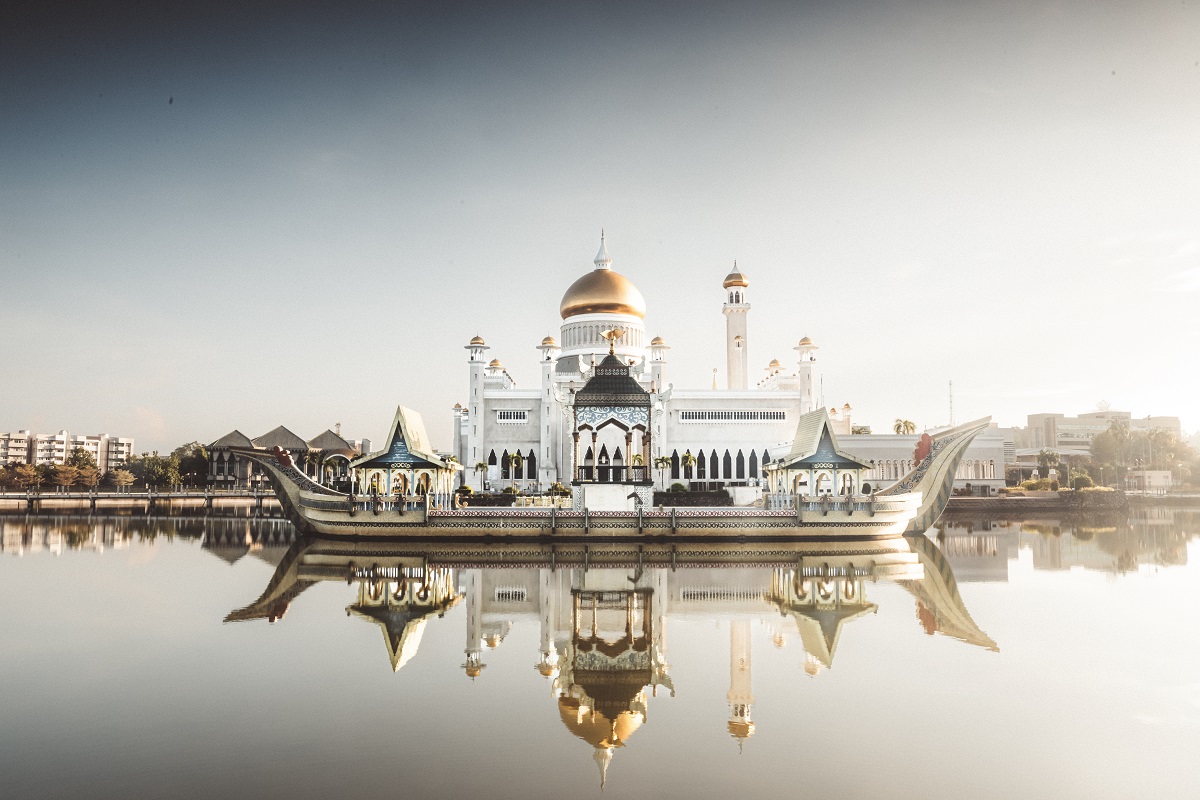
241	216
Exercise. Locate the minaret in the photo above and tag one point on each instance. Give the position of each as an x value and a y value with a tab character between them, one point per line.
658	363
546	472
808	374
736	309
476	362
548	656
740	697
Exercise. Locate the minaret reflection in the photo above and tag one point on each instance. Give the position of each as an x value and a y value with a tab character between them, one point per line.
740	696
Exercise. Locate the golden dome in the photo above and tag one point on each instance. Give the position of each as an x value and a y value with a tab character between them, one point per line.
495	362
805	341
477	340
774	364
595	728
735	278
741	730
549	341
657	341
474	670
546	669
602	291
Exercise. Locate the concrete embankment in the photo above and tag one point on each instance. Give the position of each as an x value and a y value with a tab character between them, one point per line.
1043	502
171	503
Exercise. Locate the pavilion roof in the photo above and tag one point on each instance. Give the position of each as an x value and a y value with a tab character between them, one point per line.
402	626
816	442
407	445
612	384
821	628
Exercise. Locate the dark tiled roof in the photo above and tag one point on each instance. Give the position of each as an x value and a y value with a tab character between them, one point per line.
329	441
612	385
281	437
233	439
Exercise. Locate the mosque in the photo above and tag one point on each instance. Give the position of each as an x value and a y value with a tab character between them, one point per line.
606	418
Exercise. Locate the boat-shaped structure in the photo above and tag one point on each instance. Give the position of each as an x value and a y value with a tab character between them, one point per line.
910	505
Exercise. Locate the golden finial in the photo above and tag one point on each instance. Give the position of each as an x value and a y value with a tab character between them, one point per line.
611	335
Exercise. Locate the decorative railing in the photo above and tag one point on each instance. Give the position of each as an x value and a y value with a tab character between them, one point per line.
612	474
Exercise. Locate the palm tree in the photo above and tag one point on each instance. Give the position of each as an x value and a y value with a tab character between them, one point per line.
687	461
636	461
662	463
514	461
481	468
906	426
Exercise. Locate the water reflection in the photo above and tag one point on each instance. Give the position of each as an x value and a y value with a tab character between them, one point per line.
602	609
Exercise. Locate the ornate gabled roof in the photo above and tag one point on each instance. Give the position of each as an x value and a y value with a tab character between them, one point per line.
408	445
280	437
402	626
612	385
821	628
329	441
234	438
815	442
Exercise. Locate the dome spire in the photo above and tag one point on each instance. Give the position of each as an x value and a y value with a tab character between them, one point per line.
603	757
603	260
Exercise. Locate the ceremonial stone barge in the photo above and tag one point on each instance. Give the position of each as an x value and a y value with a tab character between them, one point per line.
801	501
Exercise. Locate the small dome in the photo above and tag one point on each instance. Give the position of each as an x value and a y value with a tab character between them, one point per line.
474	670
846	407
549	341
546	670
457	406
806	341
477	340
774	364
735	278
657	341
740	730
495	362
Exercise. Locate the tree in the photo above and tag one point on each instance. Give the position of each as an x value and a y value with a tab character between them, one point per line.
481	469
904	426
89	477
64	476
662	464
192	462
81	458
1047	460
514	462
687	461
27	476
121	478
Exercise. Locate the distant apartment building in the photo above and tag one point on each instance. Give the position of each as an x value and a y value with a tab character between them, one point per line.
24	447
14	448
1065	434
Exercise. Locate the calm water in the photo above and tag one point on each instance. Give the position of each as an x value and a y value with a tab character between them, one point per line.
224	658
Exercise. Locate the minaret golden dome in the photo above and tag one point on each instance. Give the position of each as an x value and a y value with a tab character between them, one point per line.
602	291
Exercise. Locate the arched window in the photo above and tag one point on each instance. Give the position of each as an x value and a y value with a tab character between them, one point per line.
701	465
741	466
492	459
531	465
753	464
504	465
674	465
727	466
714	466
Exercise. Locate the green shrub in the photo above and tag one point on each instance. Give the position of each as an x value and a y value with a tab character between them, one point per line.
677	487
1082	482
464	489
511	490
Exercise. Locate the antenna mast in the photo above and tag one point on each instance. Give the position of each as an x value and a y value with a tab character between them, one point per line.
951	404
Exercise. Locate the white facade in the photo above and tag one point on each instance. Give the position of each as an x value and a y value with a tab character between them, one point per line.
731	433
24	447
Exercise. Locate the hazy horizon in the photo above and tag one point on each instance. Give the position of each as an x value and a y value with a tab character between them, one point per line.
232	216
